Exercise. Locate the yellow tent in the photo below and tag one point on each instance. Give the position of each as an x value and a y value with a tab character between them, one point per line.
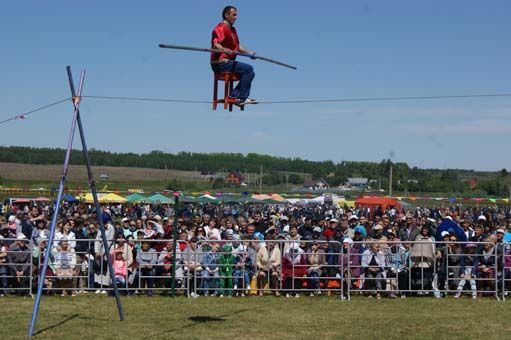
112	198
342	202
87	197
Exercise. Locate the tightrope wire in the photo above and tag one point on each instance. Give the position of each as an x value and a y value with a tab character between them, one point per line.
24	114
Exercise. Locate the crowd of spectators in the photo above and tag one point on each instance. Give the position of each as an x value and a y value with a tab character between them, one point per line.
240	249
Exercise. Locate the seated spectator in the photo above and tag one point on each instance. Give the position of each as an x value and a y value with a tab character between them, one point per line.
316	259
3	267
373	265
146	260
38	253
164	269
268	262
210	270
294	269
120	268
64	264
18	258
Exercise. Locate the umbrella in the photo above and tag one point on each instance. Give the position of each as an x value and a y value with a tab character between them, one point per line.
507	237
452	228
69	198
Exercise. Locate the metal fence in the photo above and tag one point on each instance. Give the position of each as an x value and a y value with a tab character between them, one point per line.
252	267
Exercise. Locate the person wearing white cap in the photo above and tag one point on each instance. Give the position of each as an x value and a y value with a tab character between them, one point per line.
19	257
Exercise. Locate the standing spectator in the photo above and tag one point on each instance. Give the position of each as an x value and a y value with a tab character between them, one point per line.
423	257
468	271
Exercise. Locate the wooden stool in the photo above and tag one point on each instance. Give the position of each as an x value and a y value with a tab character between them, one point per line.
228	78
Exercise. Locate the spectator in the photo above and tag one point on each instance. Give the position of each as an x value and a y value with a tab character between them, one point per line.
64	263
147	260
373	264
268	262
294	269
19	258
317	260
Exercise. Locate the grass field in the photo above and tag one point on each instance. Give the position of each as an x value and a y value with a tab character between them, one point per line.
95	317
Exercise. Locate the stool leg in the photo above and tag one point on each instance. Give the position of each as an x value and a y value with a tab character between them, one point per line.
226	93
215	92
230	91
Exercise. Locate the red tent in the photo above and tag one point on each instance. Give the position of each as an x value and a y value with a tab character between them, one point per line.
375	201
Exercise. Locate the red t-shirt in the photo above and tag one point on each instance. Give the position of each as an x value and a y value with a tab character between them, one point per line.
228	38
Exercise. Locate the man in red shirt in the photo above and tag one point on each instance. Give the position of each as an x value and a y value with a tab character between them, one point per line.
225	38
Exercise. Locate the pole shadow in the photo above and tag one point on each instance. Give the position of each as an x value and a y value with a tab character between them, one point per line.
60	323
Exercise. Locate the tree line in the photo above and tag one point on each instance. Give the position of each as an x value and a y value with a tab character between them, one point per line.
278	170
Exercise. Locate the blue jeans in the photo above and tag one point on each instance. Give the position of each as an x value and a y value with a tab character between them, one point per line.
210	280
246	72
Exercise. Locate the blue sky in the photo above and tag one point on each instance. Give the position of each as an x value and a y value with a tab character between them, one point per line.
343	49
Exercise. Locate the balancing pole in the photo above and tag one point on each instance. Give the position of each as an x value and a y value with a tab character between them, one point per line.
92	185
47	253
214	50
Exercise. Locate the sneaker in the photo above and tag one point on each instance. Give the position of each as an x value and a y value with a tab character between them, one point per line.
103	292
221	295
343	298
63	294
474	296
242	294
318	292
311	294
297	296
247	102
378	296
287	295
193	295
97	292
403	296
393	296
457	295
277	294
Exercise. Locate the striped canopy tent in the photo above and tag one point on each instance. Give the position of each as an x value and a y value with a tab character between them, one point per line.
159	198
136	198
112	198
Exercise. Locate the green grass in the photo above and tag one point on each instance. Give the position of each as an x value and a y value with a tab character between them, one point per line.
95	317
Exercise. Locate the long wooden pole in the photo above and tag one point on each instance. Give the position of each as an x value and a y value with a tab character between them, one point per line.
213	50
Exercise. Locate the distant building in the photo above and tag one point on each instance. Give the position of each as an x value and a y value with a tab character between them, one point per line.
207	174
234	177
318	184
357	182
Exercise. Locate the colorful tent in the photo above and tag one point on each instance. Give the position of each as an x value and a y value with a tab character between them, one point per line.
136	198
159	198
112	198
376	201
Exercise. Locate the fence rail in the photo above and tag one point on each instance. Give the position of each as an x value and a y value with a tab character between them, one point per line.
253	267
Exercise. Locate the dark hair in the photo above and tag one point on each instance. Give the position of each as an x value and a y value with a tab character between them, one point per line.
227	10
